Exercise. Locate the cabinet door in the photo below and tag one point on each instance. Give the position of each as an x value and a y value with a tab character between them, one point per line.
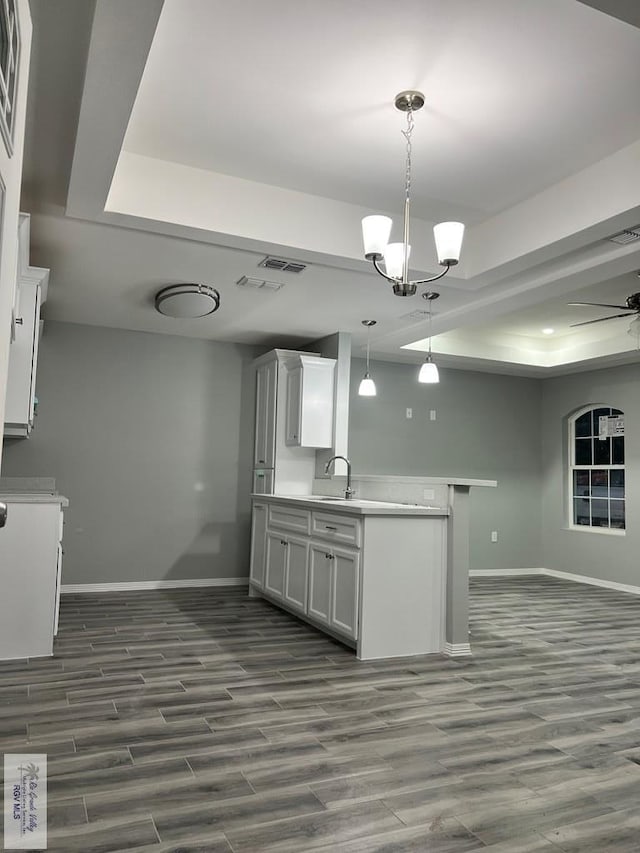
275	566
258	544
266	388
23	359
345	570
319	583
296	574
294	401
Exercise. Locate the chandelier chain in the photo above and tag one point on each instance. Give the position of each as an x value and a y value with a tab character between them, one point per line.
407	135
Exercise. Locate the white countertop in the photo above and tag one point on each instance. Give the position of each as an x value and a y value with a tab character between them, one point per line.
355	506
33	498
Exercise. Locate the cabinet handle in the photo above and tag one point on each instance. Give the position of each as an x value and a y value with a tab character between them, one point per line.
261	461
19	321
326	556
328	527
282	542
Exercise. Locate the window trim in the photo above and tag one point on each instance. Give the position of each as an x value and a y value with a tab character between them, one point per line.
571	467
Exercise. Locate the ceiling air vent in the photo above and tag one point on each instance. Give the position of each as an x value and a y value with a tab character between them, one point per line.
258	284
415	315
629	235
282	264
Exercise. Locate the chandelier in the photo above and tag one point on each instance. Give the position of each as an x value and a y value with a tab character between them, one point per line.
377	229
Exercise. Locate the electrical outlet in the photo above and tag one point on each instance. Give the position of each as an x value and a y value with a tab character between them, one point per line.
494	535
409	413
432	415
428	494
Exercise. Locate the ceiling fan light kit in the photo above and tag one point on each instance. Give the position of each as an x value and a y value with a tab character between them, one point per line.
376	229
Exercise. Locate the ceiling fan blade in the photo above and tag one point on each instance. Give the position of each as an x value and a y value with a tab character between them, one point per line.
600	305
602	319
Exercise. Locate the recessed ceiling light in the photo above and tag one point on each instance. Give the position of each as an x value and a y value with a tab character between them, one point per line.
548	331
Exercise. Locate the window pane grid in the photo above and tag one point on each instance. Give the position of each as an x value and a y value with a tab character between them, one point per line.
597	471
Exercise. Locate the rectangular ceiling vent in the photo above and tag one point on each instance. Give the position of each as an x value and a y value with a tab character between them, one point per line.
258	284
415	315
282	264
629	235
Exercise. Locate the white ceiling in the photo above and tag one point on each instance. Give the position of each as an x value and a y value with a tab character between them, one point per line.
211	133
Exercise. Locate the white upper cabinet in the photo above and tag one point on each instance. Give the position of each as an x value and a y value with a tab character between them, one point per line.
23	352
310	390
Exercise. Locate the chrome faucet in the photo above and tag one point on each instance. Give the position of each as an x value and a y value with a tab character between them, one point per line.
348	492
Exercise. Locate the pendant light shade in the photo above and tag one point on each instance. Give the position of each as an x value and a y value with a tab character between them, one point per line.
367	387
429	372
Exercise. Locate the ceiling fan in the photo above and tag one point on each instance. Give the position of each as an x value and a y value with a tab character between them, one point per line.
632	307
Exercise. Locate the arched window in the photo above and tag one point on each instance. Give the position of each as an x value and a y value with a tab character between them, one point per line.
596	469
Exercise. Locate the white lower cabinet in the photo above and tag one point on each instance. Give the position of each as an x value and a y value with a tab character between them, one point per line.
333	587
319	583
30	569
258	544
374	579
275	565
345	581
303	568
296	573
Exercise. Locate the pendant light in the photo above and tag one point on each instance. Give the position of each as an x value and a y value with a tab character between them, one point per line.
376	229
367	386
429	370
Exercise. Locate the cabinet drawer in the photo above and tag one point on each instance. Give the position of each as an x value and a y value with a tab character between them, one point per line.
289	518
336	528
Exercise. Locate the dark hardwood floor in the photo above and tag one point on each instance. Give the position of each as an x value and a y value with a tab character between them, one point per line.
202	721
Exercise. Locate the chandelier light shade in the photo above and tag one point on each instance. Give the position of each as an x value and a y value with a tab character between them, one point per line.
429	371
367	387
448	237
376	229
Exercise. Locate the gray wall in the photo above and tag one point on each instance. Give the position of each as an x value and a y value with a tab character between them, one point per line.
149	436
487	426
584	552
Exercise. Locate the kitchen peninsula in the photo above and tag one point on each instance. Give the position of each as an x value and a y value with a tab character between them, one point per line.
372	573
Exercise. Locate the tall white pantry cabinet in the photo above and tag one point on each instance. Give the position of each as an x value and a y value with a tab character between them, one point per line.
293	418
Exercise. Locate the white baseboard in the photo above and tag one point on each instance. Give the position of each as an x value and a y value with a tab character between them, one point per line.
457	650
142	585
507	573
554	573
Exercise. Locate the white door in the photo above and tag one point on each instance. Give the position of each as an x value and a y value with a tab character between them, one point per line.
295	582
345	570
275	565
258	544
319	583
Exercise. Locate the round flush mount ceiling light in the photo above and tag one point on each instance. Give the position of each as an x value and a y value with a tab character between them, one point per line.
187	301
548	331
